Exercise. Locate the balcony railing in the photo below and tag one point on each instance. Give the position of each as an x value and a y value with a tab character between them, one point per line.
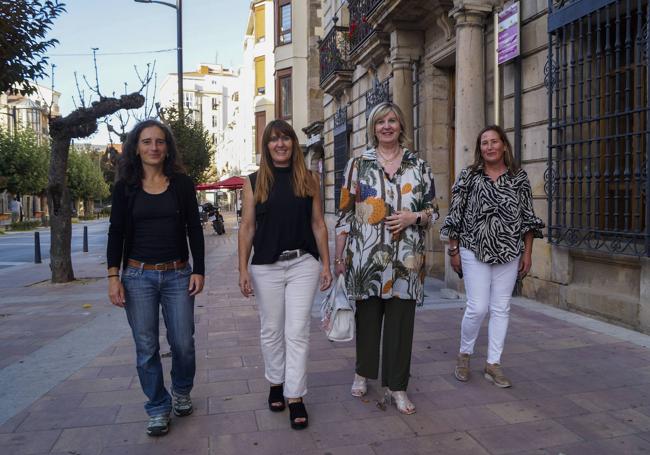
360	29
334	52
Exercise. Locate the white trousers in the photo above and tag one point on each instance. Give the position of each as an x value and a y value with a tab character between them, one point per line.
285	293
488	287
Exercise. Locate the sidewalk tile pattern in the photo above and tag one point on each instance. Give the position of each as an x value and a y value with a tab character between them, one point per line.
575	391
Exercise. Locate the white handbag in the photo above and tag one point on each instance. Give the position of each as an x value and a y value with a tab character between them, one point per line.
337	313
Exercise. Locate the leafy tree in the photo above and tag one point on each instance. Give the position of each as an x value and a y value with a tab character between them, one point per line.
23	162
108	162
85	178
24	25
193	141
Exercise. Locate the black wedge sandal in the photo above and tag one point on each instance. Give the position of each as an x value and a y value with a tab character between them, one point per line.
297	411
276	398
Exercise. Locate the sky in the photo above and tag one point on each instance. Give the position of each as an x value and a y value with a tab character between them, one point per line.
213	30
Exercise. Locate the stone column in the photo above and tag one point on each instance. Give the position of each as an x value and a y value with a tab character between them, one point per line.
644	296
405	48
470	78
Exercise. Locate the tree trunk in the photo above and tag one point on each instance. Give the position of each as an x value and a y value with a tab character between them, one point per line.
58	200
89	208
80	123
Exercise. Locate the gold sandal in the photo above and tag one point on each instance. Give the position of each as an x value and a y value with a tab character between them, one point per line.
401	401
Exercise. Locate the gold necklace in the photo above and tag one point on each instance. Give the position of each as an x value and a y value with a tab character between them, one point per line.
384	160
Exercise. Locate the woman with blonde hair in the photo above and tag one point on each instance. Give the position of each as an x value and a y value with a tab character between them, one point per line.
387	204
282	221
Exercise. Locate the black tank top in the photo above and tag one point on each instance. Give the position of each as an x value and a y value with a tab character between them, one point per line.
282	222
154	221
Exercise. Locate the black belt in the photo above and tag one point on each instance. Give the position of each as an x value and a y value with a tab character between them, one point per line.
291	254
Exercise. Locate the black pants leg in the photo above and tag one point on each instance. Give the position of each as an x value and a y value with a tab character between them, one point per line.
399	319
368	319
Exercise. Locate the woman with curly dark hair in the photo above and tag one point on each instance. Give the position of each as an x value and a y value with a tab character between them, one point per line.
154	212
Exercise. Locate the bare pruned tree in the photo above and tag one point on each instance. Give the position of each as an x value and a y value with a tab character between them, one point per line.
80	123
123	118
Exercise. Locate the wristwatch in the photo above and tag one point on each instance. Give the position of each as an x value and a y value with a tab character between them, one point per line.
418	219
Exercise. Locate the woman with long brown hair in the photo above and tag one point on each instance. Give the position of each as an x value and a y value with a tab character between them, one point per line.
282	221
490	226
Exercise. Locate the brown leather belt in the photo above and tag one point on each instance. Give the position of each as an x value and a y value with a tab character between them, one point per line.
163	266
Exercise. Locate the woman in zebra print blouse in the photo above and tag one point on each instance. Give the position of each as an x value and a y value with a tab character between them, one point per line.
490	226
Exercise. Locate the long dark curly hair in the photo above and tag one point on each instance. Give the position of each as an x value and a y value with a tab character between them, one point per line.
130	165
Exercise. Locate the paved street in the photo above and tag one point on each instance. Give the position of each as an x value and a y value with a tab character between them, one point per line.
68	383
18	247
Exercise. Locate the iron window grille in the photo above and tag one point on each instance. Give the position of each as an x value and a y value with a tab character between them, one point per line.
599	126
378	94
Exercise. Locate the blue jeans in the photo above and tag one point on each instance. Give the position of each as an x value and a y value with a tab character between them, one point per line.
146	291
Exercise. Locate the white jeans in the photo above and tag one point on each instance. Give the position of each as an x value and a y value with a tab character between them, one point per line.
285	293
488	286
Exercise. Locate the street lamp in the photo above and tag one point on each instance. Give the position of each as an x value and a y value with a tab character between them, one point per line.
179	47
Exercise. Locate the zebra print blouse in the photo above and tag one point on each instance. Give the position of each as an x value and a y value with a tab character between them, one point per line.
491	218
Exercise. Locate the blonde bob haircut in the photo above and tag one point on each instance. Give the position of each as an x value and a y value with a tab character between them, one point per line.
303	182
508	157
378	112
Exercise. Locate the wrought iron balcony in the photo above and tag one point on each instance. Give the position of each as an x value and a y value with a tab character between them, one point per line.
334	53
360	29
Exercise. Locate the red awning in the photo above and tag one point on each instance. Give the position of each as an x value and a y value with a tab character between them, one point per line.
231	183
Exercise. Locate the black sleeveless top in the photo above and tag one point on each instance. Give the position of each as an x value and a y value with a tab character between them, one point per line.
282	222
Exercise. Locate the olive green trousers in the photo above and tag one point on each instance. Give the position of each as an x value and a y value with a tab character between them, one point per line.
397	317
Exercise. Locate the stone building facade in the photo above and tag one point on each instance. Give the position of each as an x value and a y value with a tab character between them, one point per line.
577	117
31	111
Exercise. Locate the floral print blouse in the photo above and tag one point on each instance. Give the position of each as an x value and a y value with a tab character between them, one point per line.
379	264
491	218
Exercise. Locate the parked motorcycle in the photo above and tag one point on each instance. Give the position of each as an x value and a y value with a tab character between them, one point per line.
215	218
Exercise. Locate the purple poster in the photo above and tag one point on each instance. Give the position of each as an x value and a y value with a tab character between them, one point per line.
508	36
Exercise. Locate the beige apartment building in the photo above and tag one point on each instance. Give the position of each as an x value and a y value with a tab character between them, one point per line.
280	74
211	96
574	103
28	111
258	89
299	97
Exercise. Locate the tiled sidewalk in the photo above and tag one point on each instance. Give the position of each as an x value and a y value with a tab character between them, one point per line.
576	391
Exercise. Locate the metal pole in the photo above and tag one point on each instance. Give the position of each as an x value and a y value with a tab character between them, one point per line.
179	55
549	145
497	76
517	100
37	248
85	239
